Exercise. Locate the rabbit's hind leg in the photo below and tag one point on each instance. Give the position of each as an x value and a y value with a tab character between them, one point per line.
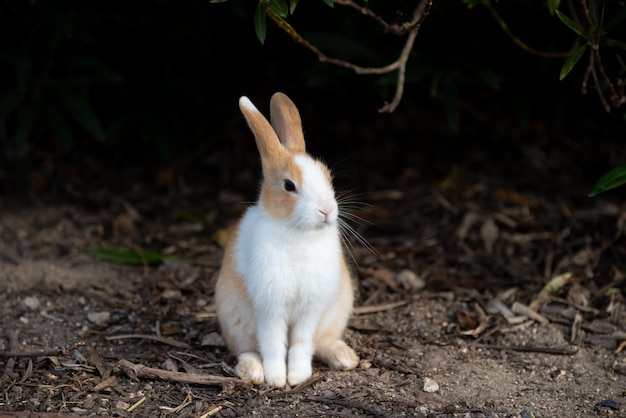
250	367
338	355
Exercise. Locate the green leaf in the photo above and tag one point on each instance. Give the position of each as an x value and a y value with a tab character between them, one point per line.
279	7
330	3
128	256
292	5
553	6
134	257
616	20
591	6
571	61
615	42
571	24
612	291
81	112
260	23
610	180
555	284
60	127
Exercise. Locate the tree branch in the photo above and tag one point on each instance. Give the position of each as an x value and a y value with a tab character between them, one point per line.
616	98
396	29
412	27
517	41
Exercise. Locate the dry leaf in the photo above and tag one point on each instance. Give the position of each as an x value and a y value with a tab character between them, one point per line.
105	384
386	276
469	220
489	232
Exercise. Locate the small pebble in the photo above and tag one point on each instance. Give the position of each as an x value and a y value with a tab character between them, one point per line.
609	403
99	318
527	413
122	405
430	385
329	394
212	339
410	281
174	294
31	302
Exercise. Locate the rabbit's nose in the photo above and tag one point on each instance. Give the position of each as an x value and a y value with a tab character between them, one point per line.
326	210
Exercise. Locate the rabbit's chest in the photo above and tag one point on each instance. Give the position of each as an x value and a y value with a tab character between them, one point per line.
298	271
286	267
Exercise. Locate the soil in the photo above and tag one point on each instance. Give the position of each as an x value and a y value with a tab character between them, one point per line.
450	317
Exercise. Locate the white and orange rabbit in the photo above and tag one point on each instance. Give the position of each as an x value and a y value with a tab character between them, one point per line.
284	293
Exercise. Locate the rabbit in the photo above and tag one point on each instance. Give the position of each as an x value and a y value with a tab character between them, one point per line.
284	292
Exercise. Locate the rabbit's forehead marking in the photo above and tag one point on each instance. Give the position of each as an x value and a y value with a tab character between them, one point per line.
317	176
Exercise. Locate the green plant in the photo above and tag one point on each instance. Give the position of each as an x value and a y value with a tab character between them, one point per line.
615	177
53	75
593	30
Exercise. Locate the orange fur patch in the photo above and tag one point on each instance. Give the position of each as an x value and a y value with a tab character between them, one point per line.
275	199
233	304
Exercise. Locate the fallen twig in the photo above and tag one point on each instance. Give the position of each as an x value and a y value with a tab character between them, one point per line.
136	404
136	371
164	340
362	310
530	349
522	309
188	399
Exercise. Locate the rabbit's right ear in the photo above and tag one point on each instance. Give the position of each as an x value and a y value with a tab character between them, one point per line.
267	142
287	123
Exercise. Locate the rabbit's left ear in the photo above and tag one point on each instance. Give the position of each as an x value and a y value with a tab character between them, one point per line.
287	123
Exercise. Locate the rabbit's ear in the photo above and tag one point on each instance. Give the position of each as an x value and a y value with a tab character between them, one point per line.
286	122
267	142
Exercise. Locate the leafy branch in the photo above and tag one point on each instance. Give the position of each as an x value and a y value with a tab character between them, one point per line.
595	37
276	10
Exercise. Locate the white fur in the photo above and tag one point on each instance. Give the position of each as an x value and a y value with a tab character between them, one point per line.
291	277
292	271
244	101
292	274
314	196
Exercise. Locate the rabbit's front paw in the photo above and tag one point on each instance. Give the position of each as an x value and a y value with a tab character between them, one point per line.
249	367
299	373
275	373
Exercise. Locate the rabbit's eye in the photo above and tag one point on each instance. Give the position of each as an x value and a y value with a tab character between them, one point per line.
289	186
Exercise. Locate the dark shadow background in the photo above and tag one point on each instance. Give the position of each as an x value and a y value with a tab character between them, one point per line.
162	80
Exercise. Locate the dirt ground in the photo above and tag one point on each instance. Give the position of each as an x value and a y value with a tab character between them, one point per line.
480	297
